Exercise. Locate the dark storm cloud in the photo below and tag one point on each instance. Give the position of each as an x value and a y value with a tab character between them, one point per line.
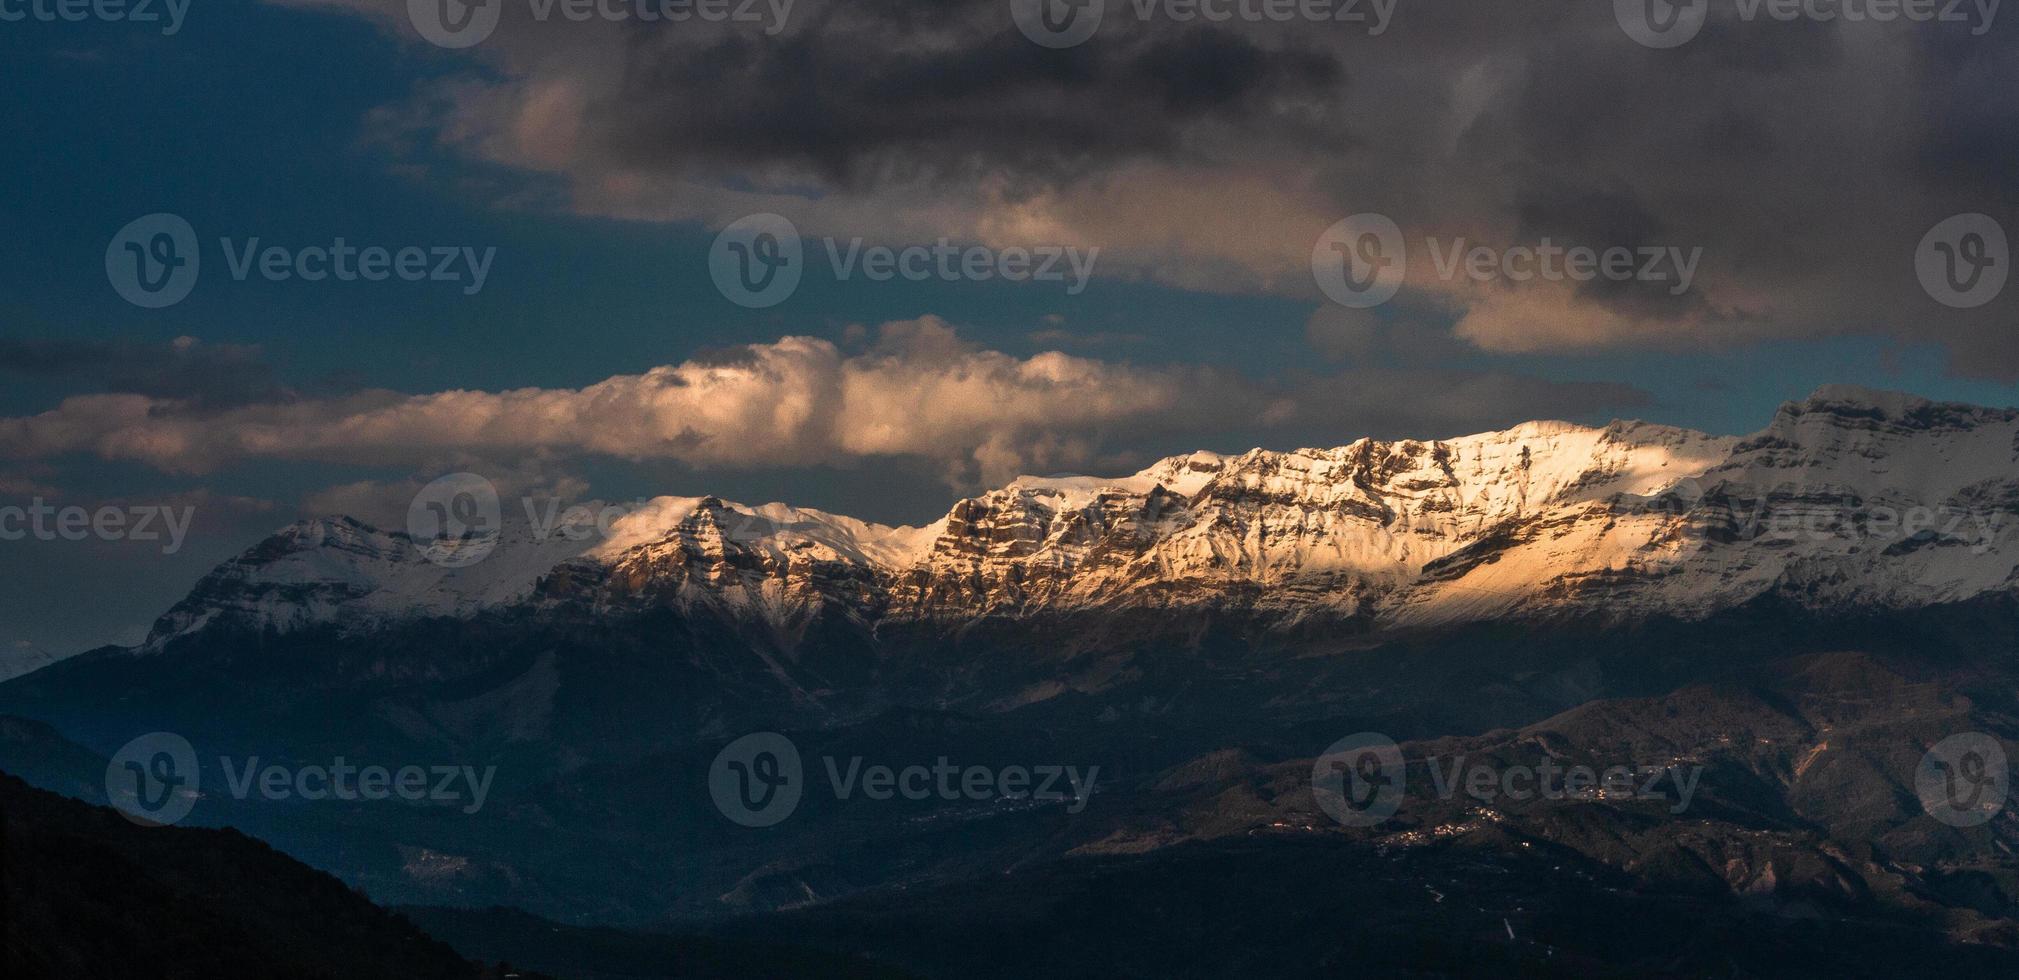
1805	159
1554	211
1972	119
206	376
836	102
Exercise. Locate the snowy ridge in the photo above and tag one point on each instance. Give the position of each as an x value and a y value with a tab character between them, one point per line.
338	570
1850	496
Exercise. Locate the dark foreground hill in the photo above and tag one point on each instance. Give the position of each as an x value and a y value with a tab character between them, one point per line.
593	953
89	894
85	893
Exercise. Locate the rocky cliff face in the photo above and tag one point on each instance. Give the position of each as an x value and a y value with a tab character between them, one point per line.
1851	496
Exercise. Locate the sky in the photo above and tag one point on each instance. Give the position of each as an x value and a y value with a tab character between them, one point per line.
582	321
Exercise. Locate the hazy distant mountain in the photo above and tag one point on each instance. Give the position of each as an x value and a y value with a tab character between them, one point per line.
23	659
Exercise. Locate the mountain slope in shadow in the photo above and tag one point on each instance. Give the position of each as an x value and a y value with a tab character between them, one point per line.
90	894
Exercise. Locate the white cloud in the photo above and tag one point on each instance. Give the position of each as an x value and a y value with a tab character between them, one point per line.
798	401
916	390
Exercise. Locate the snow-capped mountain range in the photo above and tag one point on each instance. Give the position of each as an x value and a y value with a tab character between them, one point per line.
1849	497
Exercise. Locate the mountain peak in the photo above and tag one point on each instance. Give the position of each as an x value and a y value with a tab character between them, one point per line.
1891	404
1893	407
1542	517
